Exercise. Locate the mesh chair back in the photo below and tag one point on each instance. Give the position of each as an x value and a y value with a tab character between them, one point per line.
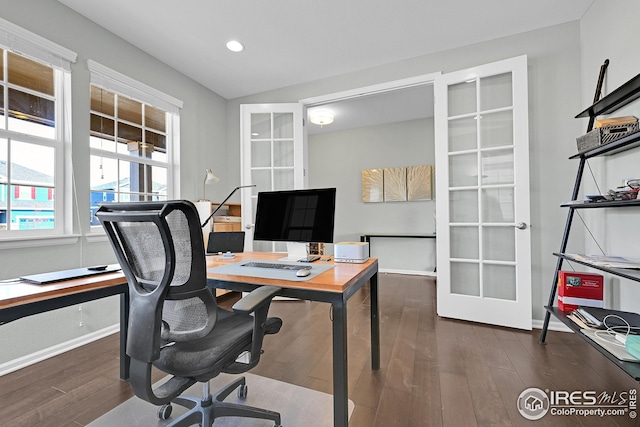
160	248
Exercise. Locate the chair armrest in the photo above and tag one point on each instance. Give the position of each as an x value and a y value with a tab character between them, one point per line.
256	299
256	303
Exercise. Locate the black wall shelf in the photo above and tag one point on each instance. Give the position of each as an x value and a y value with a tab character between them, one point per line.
618	146
627	273
581	204
631	368
617	99
620	97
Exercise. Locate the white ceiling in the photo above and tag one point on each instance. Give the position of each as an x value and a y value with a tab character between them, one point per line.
295	41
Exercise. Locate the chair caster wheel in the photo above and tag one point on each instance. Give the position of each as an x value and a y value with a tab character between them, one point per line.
165	411
242	391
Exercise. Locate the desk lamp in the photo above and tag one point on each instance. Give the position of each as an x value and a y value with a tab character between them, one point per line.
223	202
209	178
203	205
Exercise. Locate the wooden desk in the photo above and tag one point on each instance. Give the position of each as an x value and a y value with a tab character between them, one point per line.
335	287
18	300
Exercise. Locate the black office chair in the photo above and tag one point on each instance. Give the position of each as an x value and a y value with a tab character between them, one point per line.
174	321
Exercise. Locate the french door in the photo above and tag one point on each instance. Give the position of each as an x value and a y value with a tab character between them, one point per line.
272	157
482	188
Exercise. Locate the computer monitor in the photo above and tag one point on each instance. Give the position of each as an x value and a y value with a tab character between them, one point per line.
296	215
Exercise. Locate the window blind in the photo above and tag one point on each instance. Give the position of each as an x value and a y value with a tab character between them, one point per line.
18	40
116	82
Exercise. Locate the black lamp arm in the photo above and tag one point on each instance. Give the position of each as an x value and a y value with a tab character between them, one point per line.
224	201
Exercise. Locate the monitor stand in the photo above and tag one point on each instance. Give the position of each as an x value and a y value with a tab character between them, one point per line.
295	251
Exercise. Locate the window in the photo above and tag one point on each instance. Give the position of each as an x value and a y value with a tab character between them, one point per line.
34	121
133	140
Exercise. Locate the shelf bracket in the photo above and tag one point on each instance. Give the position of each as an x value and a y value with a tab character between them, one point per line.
596	97
563	248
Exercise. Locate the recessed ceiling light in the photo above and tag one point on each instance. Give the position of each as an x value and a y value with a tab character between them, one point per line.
235	46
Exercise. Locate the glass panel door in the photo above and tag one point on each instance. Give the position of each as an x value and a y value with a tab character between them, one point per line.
484	266
272	159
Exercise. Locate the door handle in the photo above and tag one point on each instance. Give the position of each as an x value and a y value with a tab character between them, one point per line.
249	226
521	226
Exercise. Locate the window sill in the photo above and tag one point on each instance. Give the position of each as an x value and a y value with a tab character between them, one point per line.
31	242
96	237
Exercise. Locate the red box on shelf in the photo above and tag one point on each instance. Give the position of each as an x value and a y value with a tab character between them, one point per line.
576	289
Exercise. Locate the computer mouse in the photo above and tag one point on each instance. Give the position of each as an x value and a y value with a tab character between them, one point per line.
304	272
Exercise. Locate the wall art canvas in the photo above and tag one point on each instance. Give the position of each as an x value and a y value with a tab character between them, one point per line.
372	186
395	184
420	182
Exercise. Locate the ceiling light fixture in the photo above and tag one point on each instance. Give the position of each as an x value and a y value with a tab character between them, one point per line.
235	46
321	117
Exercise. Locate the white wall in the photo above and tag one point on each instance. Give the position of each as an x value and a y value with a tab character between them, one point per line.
203	131
554	98
609	30
399	144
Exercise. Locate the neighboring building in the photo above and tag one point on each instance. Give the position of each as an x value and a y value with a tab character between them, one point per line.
31	205
101	194
107	193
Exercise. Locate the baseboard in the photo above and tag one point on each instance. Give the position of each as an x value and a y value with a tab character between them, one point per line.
554	325
38	356
410	272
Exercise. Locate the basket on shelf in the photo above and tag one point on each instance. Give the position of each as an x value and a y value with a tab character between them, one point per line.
605	135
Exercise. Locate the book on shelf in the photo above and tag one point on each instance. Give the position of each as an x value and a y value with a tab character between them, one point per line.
607	261
603	318
582	324
615	121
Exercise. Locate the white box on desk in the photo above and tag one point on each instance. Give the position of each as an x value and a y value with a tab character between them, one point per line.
356	252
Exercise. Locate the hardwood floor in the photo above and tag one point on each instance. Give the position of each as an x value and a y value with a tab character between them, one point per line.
434	371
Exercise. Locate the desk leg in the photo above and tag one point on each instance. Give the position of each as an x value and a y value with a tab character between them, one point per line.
375	323
124	324
340	373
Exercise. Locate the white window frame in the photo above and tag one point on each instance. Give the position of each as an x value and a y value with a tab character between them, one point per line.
114	81
23	42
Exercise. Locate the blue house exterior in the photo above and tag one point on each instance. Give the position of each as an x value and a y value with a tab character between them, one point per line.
31	202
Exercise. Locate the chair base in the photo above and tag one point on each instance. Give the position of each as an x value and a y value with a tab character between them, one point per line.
206	409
